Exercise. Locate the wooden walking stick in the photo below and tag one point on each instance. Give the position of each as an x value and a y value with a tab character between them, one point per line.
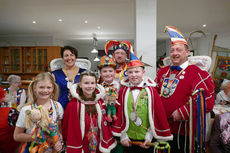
158	146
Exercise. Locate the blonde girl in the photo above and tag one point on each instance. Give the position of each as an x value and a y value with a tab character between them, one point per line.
43	91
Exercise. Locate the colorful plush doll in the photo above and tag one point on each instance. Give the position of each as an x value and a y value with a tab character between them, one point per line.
42	128
110	100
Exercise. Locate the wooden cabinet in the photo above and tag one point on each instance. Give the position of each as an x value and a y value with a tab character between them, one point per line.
26	61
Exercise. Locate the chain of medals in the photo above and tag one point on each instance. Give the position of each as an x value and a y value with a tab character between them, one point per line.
166	91
92	136
133	115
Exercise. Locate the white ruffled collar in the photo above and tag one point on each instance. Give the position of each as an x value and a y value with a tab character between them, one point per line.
147	81
99	88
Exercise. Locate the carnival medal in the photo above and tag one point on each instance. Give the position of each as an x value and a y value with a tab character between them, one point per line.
133	116
138	121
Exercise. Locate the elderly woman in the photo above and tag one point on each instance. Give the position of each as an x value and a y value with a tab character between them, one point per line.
70	73
16	96
223	97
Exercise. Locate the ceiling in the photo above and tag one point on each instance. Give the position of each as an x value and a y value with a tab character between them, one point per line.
116	18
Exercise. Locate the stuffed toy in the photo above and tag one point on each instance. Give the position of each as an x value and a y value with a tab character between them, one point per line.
110	101
43	130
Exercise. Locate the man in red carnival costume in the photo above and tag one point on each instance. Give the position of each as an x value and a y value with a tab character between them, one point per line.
176	84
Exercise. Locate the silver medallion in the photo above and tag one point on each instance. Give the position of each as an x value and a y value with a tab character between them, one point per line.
183	72
166	91
138	121
133	116
105	123
181	77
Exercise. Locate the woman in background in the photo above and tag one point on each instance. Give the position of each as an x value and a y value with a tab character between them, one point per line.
70	73
16	96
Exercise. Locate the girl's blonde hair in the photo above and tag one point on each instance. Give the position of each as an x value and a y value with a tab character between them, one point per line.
41	77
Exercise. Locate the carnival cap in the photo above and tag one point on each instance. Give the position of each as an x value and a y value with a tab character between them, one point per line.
107	60
134	61
125	45
176	35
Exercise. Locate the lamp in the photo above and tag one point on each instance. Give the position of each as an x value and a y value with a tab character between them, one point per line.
94	51
96	59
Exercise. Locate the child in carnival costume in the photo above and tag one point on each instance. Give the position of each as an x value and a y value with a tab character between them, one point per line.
107	70
141	116
39	121
85	128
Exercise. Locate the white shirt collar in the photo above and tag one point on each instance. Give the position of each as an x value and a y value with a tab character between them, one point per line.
184	65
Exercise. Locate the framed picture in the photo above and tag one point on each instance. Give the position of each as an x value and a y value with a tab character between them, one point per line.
222	68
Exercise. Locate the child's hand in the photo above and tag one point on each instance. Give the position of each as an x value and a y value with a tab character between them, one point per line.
144	145
176	116
126	143
58	146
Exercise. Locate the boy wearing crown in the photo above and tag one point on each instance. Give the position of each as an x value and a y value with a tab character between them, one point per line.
107	71
141	115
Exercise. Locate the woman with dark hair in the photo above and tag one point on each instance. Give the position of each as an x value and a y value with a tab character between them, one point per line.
70	73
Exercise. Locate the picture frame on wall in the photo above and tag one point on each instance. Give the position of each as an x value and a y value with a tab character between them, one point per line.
222	68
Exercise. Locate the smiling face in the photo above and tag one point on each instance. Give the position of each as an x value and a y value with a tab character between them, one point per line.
69	58
120	56
135	75
88	85
43	90
108	74
178	54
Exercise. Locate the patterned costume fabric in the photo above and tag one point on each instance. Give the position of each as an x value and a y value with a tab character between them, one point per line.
121	74
57	114
76	125
177	87
62	83
18	100
158	125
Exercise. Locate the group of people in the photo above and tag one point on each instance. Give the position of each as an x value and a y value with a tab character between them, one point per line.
125	112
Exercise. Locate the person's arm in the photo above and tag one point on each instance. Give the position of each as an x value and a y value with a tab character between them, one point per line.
215	142
59	144
22	99
202	80
21	136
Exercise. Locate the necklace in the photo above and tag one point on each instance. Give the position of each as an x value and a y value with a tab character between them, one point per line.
169	84
68	75
133	115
